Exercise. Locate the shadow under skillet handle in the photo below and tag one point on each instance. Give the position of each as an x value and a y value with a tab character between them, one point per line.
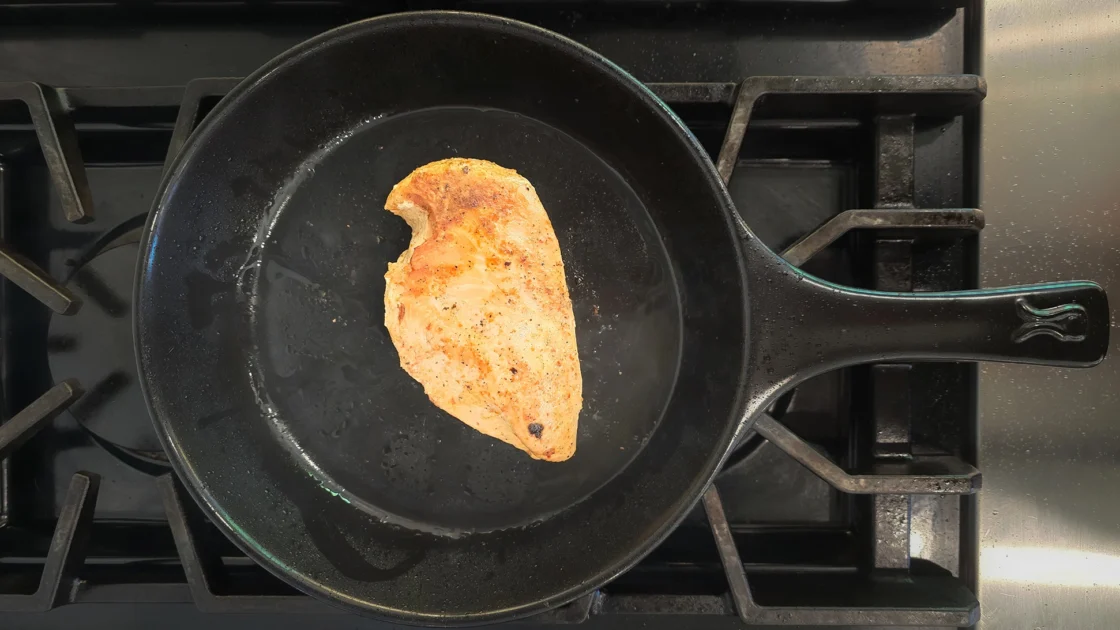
801	326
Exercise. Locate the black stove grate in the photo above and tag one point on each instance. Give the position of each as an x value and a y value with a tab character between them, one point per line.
890	465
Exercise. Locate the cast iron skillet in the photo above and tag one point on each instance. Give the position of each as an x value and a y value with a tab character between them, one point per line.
278	395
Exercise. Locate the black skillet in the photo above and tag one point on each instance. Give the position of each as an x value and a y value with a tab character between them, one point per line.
279	397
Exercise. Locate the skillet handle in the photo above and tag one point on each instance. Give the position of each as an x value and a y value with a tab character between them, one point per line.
802	326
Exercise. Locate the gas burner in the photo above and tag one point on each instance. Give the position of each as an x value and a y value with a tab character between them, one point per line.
95	347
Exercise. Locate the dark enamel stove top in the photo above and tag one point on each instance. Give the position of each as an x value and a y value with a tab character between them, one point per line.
847	134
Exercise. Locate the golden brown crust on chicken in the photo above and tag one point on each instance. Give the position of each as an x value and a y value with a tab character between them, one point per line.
478	306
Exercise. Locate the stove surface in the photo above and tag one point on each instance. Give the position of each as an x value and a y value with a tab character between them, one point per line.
848	138
1049	441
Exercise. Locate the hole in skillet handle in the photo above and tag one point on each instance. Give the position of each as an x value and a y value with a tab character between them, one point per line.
802	326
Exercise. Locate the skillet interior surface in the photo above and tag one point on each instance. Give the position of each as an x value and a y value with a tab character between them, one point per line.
329	377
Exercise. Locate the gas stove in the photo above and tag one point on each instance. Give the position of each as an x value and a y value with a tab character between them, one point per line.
847	135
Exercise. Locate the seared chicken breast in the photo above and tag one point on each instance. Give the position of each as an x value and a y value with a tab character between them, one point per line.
478	306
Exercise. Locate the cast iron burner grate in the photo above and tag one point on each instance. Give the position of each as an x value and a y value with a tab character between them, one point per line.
892	589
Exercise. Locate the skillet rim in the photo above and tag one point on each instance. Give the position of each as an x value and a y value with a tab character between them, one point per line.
193	483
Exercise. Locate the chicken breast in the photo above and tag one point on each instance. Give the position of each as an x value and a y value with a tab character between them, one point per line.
478	307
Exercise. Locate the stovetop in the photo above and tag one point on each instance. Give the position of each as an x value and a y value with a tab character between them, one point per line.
847	135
